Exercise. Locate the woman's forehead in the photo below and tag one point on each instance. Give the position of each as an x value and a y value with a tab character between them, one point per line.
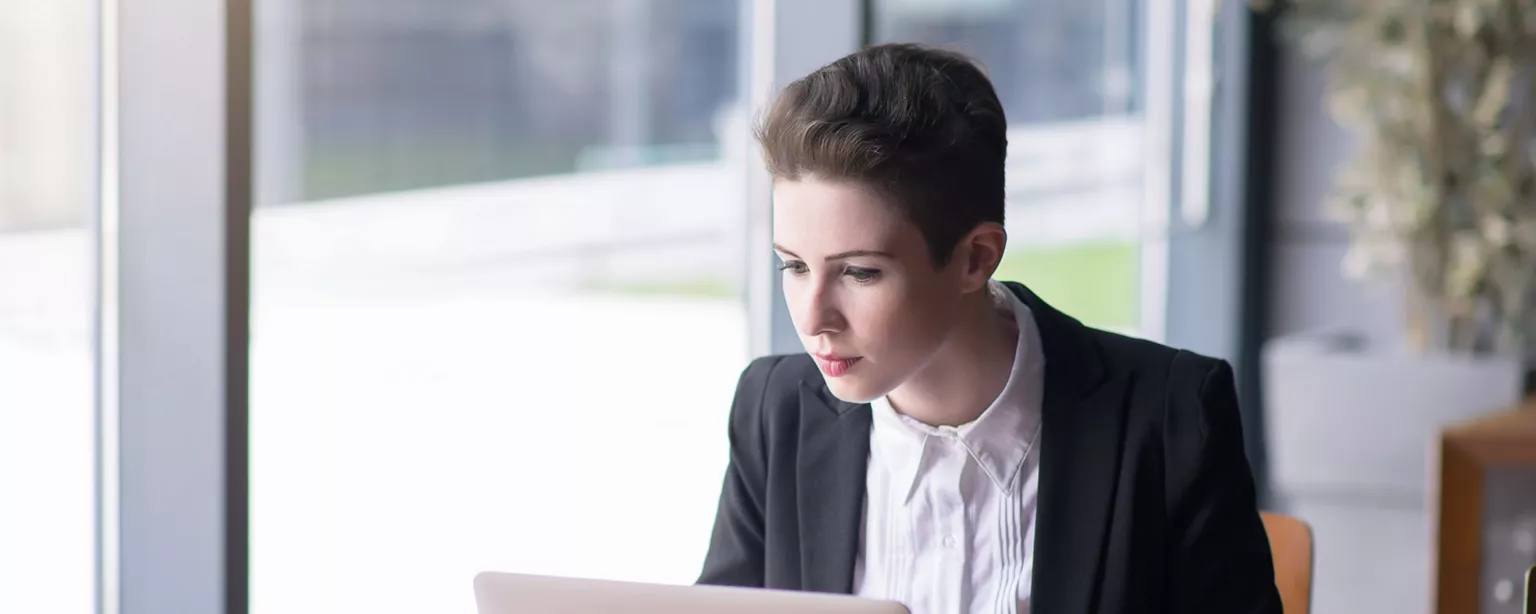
828	216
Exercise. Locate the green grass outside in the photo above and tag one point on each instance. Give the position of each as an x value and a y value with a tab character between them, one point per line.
1093	282
337	171
340	172
702	287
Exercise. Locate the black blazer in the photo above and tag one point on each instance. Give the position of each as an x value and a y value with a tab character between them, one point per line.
1146	501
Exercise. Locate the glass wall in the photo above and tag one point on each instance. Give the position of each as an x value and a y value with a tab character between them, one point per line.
471	213
1070	75
48	139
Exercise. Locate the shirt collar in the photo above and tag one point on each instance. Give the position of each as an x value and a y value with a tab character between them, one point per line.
999	439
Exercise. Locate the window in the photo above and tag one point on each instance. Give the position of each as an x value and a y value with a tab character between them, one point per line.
47	201
1069	74
470	212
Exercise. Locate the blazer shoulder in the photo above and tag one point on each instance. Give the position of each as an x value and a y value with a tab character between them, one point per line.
765	414
1193	377
1201	422
769	383
1183	370
1180	393
771	379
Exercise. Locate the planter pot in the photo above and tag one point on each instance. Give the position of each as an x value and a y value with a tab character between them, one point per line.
1349	432
1341	416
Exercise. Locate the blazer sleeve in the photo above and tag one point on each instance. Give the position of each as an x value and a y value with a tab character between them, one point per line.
1219	551
735	556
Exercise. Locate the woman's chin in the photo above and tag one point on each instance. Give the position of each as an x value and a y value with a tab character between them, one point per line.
849	389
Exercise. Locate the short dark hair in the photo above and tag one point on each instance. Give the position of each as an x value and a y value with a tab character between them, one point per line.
921	126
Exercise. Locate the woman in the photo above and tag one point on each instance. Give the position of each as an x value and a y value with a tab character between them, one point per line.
948	441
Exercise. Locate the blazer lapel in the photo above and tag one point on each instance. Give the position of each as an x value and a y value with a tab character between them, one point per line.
1084	420
834	457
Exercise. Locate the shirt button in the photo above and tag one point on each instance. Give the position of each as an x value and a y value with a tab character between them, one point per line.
949	541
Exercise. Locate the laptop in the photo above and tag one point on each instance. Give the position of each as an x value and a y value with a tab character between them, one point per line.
510	593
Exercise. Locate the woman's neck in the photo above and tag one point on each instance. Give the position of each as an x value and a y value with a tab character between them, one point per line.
968	372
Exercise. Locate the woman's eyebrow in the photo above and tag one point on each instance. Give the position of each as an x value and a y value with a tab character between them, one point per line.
841	255
860	253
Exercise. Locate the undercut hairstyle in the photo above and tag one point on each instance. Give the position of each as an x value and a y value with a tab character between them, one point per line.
921	127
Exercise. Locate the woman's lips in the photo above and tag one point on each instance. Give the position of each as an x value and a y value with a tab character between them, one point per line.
836	366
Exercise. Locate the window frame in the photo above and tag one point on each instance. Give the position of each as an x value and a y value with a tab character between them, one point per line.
789	39
173	284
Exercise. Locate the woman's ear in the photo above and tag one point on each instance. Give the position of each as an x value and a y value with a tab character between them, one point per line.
982	250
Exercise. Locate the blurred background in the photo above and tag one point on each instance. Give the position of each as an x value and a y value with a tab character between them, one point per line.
468	213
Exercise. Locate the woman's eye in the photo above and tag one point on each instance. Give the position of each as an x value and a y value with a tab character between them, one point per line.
793	266
861	275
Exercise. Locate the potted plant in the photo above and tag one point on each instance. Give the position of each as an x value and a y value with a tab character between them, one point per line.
1440	201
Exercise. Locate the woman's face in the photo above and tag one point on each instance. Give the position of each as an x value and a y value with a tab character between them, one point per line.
866	298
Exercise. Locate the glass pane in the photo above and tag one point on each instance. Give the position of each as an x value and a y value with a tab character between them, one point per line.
1069	76
48	143
497	319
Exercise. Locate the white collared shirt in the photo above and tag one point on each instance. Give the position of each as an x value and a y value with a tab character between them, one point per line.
949	512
